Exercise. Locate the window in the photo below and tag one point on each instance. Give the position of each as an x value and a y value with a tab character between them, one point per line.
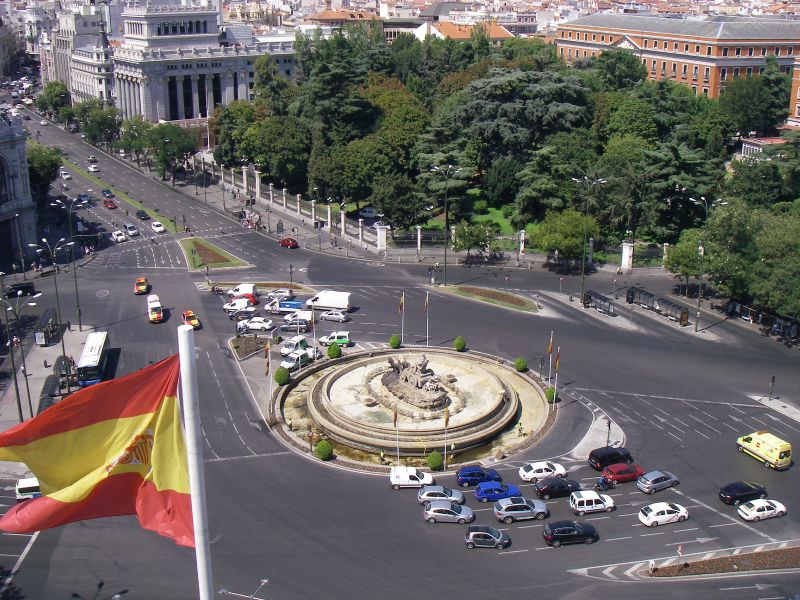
683	71
735	71
697	49
694	72
686	48
594	37
705	91
761	71
723	74
675	46
674	69
763	50
663	67
602	38
706	73
750	51
708	51
790	50
653	67
777	51
694	90
738	52
645	43
569	34
749	71
725	52
666	45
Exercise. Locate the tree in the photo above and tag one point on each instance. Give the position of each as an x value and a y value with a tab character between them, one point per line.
501	181
171	146
632	116
135	137
777	272
779	88
54	96
683	258
66	114
100	124
270	86
757	182
747	103
566	231
620	69
480	236
280	147
43	166
229	125
396	196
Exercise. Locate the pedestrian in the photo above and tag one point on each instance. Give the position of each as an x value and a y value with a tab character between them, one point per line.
69	328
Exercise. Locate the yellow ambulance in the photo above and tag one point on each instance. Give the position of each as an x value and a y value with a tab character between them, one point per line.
766	447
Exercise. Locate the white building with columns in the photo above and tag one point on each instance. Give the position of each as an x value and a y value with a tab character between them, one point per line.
173	64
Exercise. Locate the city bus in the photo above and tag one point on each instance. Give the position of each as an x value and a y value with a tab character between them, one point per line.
92	363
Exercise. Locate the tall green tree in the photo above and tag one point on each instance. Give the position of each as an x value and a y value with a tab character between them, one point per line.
475	236
54	96
230	125
779	88
747	102
396	196
757	182
279	147
620	69
43	166
564	231
100	124
776	274
501	181
135	137
683	258
171	146
270	86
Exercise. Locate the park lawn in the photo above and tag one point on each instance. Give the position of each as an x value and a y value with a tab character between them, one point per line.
208	255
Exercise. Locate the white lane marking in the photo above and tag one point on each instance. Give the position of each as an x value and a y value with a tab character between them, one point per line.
726	516
730	426
648	534
681	422
607	573
17	565
628	537
735	408
703	434
512	551
675	436
723	525
682	530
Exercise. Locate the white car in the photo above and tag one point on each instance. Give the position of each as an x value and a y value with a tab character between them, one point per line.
157	227
118	236
281	294
256	323
131	230
533	472
65	175
93	169
761	508
342	338
43	123
661	513
334	315
369	213
409	477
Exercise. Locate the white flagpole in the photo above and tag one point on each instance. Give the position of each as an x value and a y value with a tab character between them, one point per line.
313	327
427	334
402	318
555	387
194	452
397	431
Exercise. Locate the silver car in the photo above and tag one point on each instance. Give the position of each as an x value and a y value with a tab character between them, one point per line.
517	508
432	493
444	511
654	481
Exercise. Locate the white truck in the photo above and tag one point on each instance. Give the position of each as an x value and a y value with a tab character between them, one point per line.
305	315
409	477
244	288
330	300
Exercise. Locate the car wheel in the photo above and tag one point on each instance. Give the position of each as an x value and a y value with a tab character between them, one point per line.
766	464
395	487
681	519
462	521
431	520
756	519
470	545
540	516
651	492
508	520
556	543
589	540
780	513
739	448
581	513
736	502
484	499
533	479
674	483
427	505
546	496
609	508
762	496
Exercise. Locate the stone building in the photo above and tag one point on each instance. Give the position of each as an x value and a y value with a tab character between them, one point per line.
17	210
92	71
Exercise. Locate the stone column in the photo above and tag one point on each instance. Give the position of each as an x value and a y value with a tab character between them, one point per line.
419	240
243	91
258	187
381	240
146	85
226	81
452	234
164	112
121	97
522	242
137	95
591	251
299	214
330	223
664	255
627	257
341	223
271	193
179	87
209	94
195	96
360	232
284	199
244	181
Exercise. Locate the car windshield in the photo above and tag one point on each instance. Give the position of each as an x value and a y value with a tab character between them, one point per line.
447	491
551	466
673	506
457	508
748	506
646	510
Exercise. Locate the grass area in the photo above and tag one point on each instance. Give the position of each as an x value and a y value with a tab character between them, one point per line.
495	297
201	254
495	215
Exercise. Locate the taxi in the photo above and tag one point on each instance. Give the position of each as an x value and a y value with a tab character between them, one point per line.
189	318
142	286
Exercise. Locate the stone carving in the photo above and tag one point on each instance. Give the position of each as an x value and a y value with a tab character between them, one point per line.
415	384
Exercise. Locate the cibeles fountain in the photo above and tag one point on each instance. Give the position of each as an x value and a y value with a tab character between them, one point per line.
413	400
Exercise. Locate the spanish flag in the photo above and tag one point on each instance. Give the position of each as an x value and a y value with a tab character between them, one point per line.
402	303
111	449
558	356
550	345
425	306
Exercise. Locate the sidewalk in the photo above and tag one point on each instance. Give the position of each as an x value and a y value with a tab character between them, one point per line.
36	358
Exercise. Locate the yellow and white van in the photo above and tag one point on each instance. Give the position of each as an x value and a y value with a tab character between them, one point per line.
766	447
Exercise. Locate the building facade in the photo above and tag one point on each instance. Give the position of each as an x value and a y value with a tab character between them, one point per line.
92	72
77	28
702	54
17	210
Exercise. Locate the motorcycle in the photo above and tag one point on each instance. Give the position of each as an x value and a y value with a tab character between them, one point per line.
603	485
216	290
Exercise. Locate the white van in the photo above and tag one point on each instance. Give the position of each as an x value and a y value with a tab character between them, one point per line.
330	300
409	477
298	342
27	489
244	288
588	501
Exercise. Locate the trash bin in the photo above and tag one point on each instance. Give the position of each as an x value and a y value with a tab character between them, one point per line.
46	328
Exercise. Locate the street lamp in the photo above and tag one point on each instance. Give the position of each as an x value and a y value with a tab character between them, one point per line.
225	592
15	310
707	206
590	185
69	208
11	353
447	172
51	253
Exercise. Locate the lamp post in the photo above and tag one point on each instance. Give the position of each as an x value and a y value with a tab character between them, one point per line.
707	206
589	184
51	253
15	310
19	245
446	172
11	353
69	208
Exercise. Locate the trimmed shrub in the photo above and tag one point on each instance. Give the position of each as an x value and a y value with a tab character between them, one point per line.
550	394
435	461
481	207
507	210
282	376
324	450
334	350
520	364
459	344
394	342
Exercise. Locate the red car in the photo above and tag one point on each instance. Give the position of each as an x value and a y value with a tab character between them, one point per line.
109	203
621	472
289	243
251	300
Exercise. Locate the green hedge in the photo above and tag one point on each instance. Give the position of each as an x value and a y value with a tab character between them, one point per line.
334	350
324	450
459	344
551	394
520	364
282	376
394	342
435	461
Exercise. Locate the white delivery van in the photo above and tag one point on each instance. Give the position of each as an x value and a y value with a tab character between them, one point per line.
234	305
244	288
330	299
305	315
28	488
409	477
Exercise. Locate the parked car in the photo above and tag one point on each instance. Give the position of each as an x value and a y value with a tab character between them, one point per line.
409	477
369	212
533	472
662	513
494	490
242	314
589	501
475	474
569	532
255	324
334	315
517	508
64	175
297	360
189	318
288	242
293	344
109	203
445	511
655	481
300	325
741	491
623	472
118	236
43	123
555	487
251	299
481	536
157	227
759	509
342	338
431	493
600	458
142	215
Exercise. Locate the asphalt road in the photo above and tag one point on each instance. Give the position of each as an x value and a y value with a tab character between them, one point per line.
314	530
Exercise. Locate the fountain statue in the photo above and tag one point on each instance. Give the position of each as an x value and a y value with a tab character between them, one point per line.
415	384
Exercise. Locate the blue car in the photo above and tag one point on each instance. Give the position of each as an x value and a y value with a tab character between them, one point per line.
474	475
494	490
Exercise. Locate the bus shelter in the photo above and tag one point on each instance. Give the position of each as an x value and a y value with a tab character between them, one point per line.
600	303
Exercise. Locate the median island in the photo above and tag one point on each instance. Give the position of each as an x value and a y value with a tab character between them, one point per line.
496	297
782	558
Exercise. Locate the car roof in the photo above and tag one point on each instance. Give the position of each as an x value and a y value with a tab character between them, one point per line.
586	494
441	504
433	488
658	505
654	474
482	529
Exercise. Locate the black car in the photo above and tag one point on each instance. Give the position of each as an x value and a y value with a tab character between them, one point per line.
142	215
555	487
569	532
600	458
741	491
25	287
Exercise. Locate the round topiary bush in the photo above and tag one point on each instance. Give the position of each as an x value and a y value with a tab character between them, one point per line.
394	342
435	461
324	450
550	394
459	344
334	351
282	376
520	364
